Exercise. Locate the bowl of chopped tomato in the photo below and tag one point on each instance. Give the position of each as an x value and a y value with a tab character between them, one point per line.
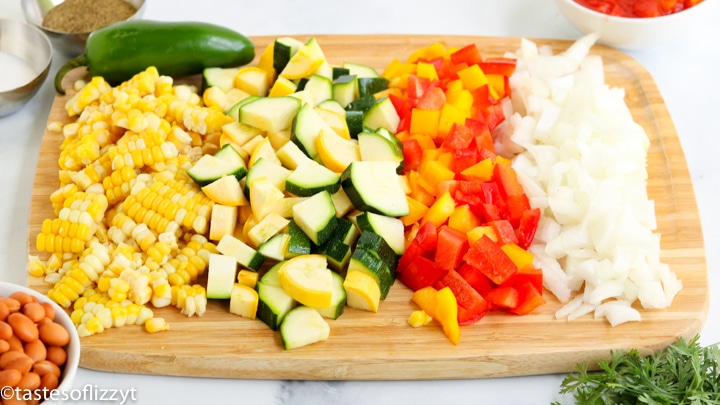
636	24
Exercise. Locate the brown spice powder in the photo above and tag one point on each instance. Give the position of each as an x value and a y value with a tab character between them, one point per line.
80	16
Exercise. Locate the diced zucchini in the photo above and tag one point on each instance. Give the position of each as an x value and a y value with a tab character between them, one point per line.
363	103
238	134
269	113
210	168
271	276
375	146
360	70
354	121
337	253
241	252
374	186
303	326
306	127
319	87
382	115
332	105
229	154
344	89
234	111
316	217
339	71
223	78
305	61
366	261
362	291
346	232
284	49
266	228
311	178
265	197
339	298
342	203
276	247
389	228
221	276
300	243
375	243
291	156
371	85
273	302
274	172
243	301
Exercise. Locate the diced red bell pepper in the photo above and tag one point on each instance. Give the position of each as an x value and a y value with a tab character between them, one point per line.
469	54
432	99
459	137
472	200
527	227
487	256
515	207
421	272
528	274
491	193
424	241
503	297
467	297
465	158
416	87
401	104
494	115
443	69
500	66
489	212
506	179
476	278
451	247
412	152
472	187
481	131
529	299
504	231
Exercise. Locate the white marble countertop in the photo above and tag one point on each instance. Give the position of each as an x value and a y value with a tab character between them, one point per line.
685	72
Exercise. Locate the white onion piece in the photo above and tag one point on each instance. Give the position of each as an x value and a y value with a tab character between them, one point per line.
582	160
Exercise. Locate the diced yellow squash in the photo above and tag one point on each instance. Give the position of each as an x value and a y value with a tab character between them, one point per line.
264	197
305	61
291	156
226	191
247	277
308	280
336	152
363	291
243	301
223	220
266	228
282	87
264	150
253	80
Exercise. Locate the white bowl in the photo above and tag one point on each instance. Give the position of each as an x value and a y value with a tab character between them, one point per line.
73	349
636	33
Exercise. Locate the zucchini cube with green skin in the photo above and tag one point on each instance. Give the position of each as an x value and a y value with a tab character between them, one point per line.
368	262
374	186
337	252
316	217
391	229
303	326
284	49
339	299
221	77
300	243
376	146
382	115
311	178
306	127
375	243
241	252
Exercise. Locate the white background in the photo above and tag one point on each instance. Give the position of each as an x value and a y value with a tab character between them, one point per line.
685	71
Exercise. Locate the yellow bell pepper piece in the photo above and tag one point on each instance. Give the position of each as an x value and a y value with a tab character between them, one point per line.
427	70
424	122
521	257
441	210
416	211
426	299
463	220
472	77
482	170
446	313
431	173
476	233
450	114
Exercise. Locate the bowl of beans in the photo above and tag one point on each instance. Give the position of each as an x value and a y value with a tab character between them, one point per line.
68	23
637	24
39	347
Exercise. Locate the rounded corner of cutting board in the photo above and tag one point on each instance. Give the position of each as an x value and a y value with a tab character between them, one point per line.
496	347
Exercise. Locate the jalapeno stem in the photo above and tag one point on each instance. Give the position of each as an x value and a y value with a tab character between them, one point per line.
68	66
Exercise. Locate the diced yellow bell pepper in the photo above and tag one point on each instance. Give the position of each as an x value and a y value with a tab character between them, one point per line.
454	85
463	220
482	170
472	77
426	142
449	115
440	211
398	69
424	122
431	173
446	313
462	99
497	85
427	70
416	211
521	257
426	299
433	51
478	232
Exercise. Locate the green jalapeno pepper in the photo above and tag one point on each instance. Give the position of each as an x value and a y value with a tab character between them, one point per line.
121	50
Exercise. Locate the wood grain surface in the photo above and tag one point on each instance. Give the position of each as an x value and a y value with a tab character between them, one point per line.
382	346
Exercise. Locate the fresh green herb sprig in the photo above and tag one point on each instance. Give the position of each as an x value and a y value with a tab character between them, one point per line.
684	373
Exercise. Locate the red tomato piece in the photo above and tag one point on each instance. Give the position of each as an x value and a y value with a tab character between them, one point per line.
467	297
487	256
469	55
421	272
451	247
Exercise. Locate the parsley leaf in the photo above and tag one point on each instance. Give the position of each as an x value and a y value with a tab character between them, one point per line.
684	373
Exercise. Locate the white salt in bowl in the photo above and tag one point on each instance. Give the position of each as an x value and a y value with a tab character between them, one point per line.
25	56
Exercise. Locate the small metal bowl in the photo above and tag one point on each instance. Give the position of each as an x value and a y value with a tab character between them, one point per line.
69	43
32	47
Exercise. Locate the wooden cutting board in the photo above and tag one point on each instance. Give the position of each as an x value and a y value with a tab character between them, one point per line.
382	346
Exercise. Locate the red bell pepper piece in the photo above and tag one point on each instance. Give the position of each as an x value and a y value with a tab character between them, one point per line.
487	256
412	152
472	187
499	66
469	54
494	115
481	131
528	274
416	87
459	137
432	99
507	181
444	70
447	186
476	278
451	247
529	299
504	231
474	305
504	297
465	158
527	227
491	193
515	208
421	272
471	200
425	241
488	212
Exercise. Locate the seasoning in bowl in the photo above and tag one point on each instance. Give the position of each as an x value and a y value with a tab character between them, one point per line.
80	16
638	8
16	72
